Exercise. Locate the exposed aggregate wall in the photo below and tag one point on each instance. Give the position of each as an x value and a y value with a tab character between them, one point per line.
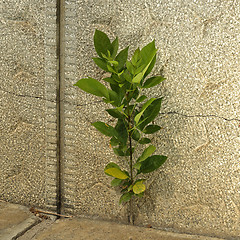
28	120
198	189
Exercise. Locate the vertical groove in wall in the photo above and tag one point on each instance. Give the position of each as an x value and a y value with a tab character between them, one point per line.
60	62
70	70
60	101
51	110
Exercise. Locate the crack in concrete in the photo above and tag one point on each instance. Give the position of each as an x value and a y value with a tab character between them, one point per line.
23	95
200	116
98	101
45	99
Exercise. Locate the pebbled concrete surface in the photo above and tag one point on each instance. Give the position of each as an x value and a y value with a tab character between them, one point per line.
197	189
15	220
79	229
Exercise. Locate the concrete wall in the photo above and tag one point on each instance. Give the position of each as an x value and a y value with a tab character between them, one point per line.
197	190
28	102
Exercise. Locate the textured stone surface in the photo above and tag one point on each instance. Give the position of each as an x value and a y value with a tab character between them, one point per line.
15	220
26	101
197	190
92	229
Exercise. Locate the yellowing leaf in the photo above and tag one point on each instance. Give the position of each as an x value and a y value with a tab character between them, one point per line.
139	187
117	173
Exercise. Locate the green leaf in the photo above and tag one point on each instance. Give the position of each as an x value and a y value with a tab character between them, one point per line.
101	63
118	152
121	130
130	67
113	98
146	104
136	57
120	108
135	93
114	63
106	57
116	182
111	165
139	187
144	107
153	81
114	113
127	76
141	98
130	188
120	91
126	183
125	197
92	86
151	113
144	141
136	135
147	66
150	66
110	80
115	172
151	129
121	58
110	68
105	129
148	52
117	78
138	77
137	165
140	69
115	46
114	141
146	153
152	163
102	43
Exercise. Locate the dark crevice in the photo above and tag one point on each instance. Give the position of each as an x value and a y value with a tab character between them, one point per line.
200	116
99	101
48	100
59	106
22	95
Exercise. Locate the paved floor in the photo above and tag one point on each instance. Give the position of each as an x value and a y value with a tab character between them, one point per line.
17	222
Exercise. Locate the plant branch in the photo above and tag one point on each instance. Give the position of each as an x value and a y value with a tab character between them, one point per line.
130	139
36	211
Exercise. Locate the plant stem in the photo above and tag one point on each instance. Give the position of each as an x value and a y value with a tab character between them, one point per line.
131	218
130	140
131	160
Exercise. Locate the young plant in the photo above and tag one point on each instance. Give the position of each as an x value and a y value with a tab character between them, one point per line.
133	111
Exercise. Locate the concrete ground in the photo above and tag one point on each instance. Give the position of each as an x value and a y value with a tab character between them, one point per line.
15	220
18	222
